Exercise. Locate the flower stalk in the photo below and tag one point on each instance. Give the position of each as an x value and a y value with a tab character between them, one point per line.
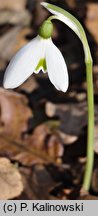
90	132
74	24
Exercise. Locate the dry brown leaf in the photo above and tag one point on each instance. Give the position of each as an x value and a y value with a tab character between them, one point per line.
71	3
94	184
96	139
37	183
29	86
2	66
12	4
88	197
95	73
21	38
92	19
46	147
28	159
73	116
67	138
96	130
11	184
16	38
15	18
23	153
13	121
44	140
41	147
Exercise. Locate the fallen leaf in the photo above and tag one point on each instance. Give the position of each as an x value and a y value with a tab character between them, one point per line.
73	117
13	122
8	4
43	139
67	138
94	183
42	147
15	18
71	4
29	86
46	147
37	182
11	184
91	20
16	38
96	139
2	65
88	197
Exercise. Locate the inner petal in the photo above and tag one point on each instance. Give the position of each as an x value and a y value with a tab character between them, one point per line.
41	66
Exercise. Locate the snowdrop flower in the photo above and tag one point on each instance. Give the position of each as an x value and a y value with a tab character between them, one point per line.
39	54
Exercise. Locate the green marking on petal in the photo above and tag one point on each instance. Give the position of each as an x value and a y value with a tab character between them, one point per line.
41	64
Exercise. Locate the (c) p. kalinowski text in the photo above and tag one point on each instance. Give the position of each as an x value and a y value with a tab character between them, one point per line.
48	207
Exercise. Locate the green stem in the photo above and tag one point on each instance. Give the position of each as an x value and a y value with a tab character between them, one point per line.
90	100
90	136
52	17
76	26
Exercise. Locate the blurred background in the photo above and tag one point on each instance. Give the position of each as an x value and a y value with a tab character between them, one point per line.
43	132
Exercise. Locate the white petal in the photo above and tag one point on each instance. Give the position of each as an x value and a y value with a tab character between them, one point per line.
24	62
62	16
56	67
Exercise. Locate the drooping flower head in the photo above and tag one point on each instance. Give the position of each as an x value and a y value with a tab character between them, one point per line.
39	54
